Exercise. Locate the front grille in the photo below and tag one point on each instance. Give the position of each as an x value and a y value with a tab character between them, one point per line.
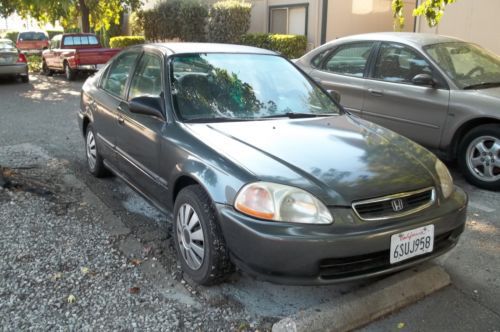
394	206
338	268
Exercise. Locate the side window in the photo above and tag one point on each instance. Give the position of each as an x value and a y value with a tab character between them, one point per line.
349	59
398	63
118	73
147	77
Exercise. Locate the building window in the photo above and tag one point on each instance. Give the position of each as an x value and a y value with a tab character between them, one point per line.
290	20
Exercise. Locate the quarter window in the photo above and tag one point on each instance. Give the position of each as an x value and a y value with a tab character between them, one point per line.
349	59
400	64
118	73
147	77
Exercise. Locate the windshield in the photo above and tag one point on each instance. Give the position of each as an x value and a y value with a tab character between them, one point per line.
243	87
468	65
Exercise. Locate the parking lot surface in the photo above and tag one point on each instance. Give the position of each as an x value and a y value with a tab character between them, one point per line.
82	253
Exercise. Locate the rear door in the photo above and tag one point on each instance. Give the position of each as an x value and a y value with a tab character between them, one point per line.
106	103
343	70
139	136
393	101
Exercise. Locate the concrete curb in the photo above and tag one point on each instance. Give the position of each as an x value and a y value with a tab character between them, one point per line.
369	303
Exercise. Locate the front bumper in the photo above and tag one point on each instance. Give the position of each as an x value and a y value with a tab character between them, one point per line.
14	69
347	250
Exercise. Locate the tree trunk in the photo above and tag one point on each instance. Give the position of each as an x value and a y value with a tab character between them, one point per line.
84	12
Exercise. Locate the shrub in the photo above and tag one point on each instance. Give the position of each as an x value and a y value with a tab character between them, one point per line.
136	24
12	35
182	19
125	41
228	20
34	63
52	33
290	46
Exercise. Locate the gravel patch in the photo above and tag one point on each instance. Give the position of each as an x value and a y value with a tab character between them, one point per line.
61	270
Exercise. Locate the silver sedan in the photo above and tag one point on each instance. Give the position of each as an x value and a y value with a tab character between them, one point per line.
439	91
12	62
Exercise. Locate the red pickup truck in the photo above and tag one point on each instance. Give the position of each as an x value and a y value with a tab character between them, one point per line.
72	53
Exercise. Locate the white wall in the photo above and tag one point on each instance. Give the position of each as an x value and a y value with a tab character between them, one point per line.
349	17
472	20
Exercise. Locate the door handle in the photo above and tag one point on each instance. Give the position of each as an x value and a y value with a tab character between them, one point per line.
376	93
121	120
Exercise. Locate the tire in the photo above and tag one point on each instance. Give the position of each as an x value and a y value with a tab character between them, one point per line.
69	73
45	69
479	156
95	162
196	226
25	78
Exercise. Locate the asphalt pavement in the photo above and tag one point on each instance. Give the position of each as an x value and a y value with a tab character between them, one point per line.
43	114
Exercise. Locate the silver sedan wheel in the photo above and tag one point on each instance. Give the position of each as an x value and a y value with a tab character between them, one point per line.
91	150
190	236
483	158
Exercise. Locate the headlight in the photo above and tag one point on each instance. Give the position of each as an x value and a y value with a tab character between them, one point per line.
277	202
445	179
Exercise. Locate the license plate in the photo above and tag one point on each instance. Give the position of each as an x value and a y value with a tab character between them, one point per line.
412	243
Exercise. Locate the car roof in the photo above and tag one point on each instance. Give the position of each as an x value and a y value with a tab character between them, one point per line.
186	48
6	40
415	38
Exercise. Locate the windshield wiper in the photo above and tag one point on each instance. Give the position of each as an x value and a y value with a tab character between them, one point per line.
293	115
482	85
217	119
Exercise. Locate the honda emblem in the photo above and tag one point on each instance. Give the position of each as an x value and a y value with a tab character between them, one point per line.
397	204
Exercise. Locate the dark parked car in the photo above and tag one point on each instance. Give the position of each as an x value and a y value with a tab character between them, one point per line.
12	62
439	91
263	169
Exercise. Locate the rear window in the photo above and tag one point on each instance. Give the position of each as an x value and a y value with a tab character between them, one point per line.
80	40
6	45
31	36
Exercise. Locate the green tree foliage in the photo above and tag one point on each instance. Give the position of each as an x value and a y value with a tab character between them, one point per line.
433	11
182	19
7	7
95	14
228	21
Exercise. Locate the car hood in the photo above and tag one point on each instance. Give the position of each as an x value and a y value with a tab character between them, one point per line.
490	92
340	159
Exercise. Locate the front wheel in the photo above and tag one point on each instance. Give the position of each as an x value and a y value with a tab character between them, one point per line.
479	156
45	69
69	73
200	246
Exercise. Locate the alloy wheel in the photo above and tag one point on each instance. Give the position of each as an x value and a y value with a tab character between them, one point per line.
483	158
91	150
190	236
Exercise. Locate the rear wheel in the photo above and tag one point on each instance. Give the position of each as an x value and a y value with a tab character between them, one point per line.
69	73
95	162
479	156
25	78
200	246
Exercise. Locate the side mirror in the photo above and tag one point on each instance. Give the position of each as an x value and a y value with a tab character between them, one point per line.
146	105
424	80
335	95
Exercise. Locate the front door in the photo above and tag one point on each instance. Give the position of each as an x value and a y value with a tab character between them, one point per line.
139	136
393	101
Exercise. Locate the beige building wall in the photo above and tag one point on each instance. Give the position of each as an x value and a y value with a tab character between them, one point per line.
471	20
362	16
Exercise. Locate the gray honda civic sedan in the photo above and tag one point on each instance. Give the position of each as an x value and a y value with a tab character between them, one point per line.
262	169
